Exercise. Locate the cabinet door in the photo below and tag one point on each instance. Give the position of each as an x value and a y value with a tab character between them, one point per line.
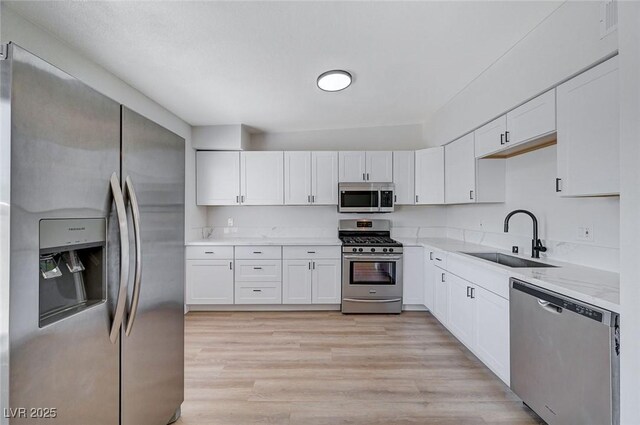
379	167
490	138
297	178
413	276
296	282
324	181
326	281
404	177
460	171
352	166
262	181
429	280
440	296
461	310
217	178
532	120
209	281
430	176
588	132
492	332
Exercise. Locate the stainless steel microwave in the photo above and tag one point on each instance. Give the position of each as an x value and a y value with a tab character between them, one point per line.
366	197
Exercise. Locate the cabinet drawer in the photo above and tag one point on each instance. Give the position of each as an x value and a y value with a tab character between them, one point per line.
258	270
310	252
258	293
209	252
258	252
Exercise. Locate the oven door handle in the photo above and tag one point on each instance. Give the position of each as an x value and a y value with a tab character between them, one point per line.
357	300
381	257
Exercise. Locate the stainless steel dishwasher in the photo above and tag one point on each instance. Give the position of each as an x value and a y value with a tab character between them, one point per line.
565	357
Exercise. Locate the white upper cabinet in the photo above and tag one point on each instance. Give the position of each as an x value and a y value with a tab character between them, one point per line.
371	166
589	133
379	166
460	171
490	137
297	178
404	177
533	120
324	178
217	178
429	173
353	166
530	121
262	178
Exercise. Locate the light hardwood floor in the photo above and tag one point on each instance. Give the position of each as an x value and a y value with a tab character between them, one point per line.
325	368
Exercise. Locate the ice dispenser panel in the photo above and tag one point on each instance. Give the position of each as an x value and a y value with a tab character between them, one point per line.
72	267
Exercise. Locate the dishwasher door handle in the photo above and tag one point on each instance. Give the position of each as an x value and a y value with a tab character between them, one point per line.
552	308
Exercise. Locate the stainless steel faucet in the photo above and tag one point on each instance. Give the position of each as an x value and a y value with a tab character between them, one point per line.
536	244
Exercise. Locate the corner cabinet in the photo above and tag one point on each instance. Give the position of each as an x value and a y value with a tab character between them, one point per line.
468	180
237	178
589	133
217	178
404	177
429	181
370	166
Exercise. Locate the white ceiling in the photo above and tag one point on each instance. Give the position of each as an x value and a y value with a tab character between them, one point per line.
257	62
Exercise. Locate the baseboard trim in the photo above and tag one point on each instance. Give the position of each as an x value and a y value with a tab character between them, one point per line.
265	307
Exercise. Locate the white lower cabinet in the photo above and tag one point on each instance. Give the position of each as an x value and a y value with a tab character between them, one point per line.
310	279
440	296
412	276
296	282
429	278
209	281
326	281
461	309
258	281
492	332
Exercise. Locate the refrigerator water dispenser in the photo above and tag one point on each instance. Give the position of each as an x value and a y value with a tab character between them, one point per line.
72	267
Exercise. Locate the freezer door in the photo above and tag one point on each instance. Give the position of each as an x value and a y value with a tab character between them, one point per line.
153	344
65	145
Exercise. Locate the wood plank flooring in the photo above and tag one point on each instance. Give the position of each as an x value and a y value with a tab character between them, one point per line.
325	368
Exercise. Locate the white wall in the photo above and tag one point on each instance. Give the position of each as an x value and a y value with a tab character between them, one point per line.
565	43
530	185
629	32
39	42
398	137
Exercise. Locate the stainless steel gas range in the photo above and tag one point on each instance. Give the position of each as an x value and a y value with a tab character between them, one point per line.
371	267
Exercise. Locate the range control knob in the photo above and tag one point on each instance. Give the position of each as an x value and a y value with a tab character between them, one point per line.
373	250
390	249
354	249
360	249
384	250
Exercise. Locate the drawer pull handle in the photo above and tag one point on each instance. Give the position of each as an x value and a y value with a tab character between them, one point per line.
311	252
257	290
257	252
209	252
257	268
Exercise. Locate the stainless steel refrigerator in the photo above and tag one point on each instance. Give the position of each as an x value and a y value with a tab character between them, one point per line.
92	247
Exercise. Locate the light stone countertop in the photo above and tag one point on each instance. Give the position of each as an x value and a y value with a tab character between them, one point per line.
266	241
600	288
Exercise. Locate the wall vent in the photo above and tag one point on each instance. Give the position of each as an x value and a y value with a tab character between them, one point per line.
608	17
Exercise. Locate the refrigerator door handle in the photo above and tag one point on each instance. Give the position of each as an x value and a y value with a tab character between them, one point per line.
137	279
121	213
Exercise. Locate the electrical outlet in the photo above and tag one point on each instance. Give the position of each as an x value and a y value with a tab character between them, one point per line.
230	222
585	233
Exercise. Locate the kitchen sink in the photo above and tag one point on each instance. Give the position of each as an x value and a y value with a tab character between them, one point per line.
507	260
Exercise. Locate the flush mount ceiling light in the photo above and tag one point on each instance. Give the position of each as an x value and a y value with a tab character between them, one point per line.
334	80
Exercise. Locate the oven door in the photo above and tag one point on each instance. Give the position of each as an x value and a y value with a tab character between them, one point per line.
372	276
359	201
